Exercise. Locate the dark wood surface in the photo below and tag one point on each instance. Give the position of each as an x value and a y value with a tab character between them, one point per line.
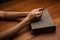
53	7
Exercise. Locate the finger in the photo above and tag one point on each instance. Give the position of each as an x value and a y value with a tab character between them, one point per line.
42	8
39	12
39	8
38	15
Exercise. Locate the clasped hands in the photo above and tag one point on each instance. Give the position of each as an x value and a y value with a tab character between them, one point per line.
35	13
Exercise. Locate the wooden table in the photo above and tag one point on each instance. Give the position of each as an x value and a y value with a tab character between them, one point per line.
27	5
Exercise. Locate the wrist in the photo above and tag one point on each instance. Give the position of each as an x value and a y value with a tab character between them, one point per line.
28	19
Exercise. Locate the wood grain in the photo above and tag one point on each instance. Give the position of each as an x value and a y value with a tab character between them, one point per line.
27	5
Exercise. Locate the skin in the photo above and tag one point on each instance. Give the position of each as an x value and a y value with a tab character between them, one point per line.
12	15
33	14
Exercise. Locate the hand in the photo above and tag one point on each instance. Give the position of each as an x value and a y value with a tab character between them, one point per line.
34	13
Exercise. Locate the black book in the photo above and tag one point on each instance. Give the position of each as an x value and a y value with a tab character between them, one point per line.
44	25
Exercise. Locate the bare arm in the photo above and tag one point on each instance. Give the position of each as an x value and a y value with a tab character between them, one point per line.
14	29
33	14
12	15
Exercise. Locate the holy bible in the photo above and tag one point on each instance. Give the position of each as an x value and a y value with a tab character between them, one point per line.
44	25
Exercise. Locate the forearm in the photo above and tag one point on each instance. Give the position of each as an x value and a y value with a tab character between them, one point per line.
14	29
12	15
